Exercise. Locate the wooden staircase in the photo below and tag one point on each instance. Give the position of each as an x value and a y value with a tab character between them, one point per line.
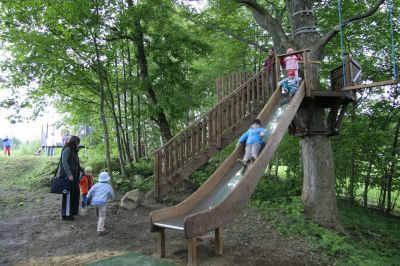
195	145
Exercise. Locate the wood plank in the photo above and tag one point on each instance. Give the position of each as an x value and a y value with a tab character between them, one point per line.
263	82
238	100
167	160
341	116
160	249
157	174
277	72
307	74
192	251
370	85
228	113
332	116
233	110
204	142
248	99
219	241
210	127
243	102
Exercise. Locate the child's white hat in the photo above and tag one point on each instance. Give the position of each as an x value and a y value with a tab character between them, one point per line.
104	177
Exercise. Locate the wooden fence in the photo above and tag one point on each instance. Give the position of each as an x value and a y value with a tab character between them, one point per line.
352	73
227	84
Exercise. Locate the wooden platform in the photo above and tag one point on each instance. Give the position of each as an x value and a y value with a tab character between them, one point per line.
327	99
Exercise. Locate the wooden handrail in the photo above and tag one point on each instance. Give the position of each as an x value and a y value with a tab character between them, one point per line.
293	53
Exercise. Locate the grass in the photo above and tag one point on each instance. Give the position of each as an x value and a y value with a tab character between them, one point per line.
23	172
371	239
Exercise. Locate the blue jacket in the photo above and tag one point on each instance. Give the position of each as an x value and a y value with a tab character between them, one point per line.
6	142
252	136
100	193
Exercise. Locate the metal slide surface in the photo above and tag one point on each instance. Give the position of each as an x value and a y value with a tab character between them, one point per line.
234	175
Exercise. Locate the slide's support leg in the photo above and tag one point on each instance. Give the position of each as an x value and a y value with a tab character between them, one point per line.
161	243
192	251
219	241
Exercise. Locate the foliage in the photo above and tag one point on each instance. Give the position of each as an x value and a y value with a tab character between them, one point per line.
142	167
272	189
26	149
27	171
132	182
370	240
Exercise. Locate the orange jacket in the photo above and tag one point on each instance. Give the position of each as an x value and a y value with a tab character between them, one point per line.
86	183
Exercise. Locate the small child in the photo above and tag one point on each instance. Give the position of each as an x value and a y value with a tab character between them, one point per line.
98	195
292	62
85	184
254	141
290	84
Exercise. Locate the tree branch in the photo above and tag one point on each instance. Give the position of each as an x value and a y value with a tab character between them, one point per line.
236	36
268	22
335	30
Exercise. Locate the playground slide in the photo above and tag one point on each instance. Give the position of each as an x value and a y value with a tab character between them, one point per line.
223	196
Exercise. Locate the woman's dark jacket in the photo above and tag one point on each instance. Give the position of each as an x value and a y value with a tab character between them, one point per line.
69	165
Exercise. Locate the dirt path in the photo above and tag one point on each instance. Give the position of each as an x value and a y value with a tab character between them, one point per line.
34	234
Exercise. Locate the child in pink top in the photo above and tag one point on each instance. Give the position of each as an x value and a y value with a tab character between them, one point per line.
292	62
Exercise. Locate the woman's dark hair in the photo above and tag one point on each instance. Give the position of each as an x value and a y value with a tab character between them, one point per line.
257	121
73	143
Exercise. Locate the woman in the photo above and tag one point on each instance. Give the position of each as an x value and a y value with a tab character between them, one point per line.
70	168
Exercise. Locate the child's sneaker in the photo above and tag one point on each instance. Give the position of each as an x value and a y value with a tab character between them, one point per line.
102	233
242	162
83	210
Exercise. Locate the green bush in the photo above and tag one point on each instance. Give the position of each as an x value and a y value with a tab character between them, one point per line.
130	183
27	149
201	175
143	167
275	189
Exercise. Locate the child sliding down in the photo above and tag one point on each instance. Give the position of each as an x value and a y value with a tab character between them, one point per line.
253	140
290	84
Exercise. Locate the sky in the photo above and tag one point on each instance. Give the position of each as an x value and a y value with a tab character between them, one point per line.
27	131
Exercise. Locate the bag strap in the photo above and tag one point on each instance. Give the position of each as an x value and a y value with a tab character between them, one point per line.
58	165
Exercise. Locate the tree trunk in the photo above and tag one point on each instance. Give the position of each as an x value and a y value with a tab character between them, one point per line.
392	167
277	165
352	181
102	105
366	183
319	195
126	115
160	116
132	103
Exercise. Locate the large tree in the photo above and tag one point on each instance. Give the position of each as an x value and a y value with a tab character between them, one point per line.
298	30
